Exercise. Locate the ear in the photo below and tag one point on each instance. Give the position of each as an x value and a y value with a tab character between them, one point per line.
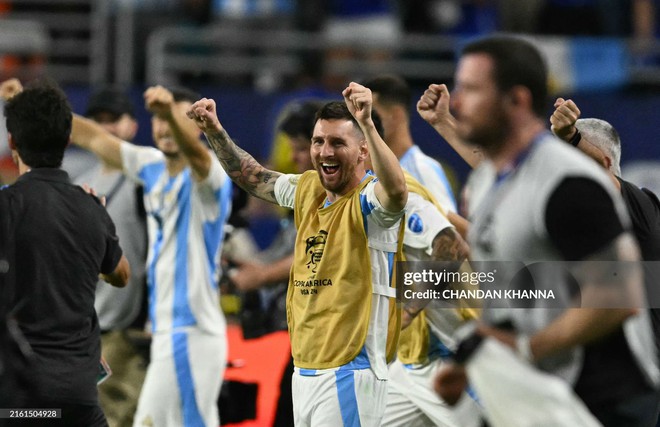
10	141
134	129
363	151
519	96
607	162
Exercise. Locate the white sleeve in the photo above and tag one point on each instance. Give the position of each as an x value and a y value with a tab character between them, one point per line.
214	191
216	177
285	190
371	206
423	223
135	158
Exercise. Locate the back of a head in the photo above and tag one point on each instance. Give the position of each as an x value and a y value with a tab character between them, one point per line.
298	119
111	100
182	94
337	110
39	121
516	63
603	135
391	90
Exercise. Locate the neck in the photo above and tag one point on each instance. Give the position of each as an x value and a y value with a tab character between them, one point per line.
517	141
175	165
357	179
617	184
22	167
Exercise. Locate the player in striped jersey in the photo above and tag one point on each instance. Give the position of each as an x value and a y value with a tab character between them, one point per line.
187	197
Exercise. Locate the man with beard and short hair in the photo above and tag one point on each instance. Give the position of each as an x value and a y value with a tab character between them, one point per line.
534	199
342	319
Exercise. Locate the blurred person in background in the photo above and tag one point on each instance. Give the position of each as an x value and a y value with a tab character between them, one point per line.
121	312
187	199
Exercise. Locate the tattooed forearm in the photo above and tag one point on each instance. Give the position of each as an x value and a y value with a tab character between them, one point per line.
448	245
242	168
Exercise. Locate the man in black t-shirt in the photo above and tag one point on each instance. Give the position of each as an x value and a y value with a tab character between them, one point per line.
64	239
599	140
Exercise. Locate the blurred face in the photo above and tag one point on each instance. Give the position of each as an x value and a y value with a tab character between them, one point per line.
123	127
338	152
477	103
162	134
300	147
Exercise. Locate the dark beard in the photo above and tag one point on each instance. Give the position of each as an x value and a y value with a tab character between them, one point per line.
490	139
172	156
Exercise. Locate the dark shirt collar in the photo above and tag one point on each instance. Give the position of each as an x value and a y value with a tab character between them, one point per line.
45	174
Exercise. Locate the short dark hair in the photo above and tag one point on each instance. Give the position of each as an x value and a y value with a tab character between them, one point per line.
516	62
39	120
391	89
181	94
337	110
112	100
298	119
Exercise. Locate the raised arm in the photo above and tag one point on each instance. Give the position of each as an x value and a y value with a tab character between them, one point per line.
391	188
433	107
84	132
562	124
91	136
160	102
241	167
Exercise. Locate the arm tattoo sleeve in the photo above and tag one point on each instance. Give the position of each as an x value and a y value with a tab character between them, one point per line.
242	168
448	245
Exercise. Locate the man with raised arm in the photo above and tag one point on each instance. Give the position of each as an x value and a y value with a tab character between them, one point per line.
342	319
536	201
187	198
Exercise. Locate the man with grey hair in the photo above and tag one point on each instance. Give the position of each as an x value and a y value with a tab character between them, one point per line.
594	137
599	140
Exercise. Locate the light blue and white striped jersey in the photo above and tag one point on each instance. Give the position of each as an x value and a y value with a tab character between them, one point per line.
430	174
185	221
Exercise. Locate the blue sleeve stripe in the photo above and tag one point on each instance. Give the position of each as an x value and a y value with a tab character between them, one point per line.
149	175
366	208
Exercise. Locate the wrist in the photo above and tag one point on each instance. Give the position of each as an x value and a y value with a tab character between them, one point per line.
575	139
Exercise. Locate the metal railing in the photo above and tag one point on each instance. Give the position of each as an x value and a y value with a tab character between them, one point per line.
216	52
228	52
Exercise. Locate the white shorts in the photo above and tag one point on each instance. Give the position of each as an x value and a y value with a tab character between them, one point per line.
412	402
183	380
351	398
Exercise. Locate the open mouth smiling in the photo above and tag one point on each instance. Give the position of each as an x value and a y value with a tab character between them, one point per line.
330	168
